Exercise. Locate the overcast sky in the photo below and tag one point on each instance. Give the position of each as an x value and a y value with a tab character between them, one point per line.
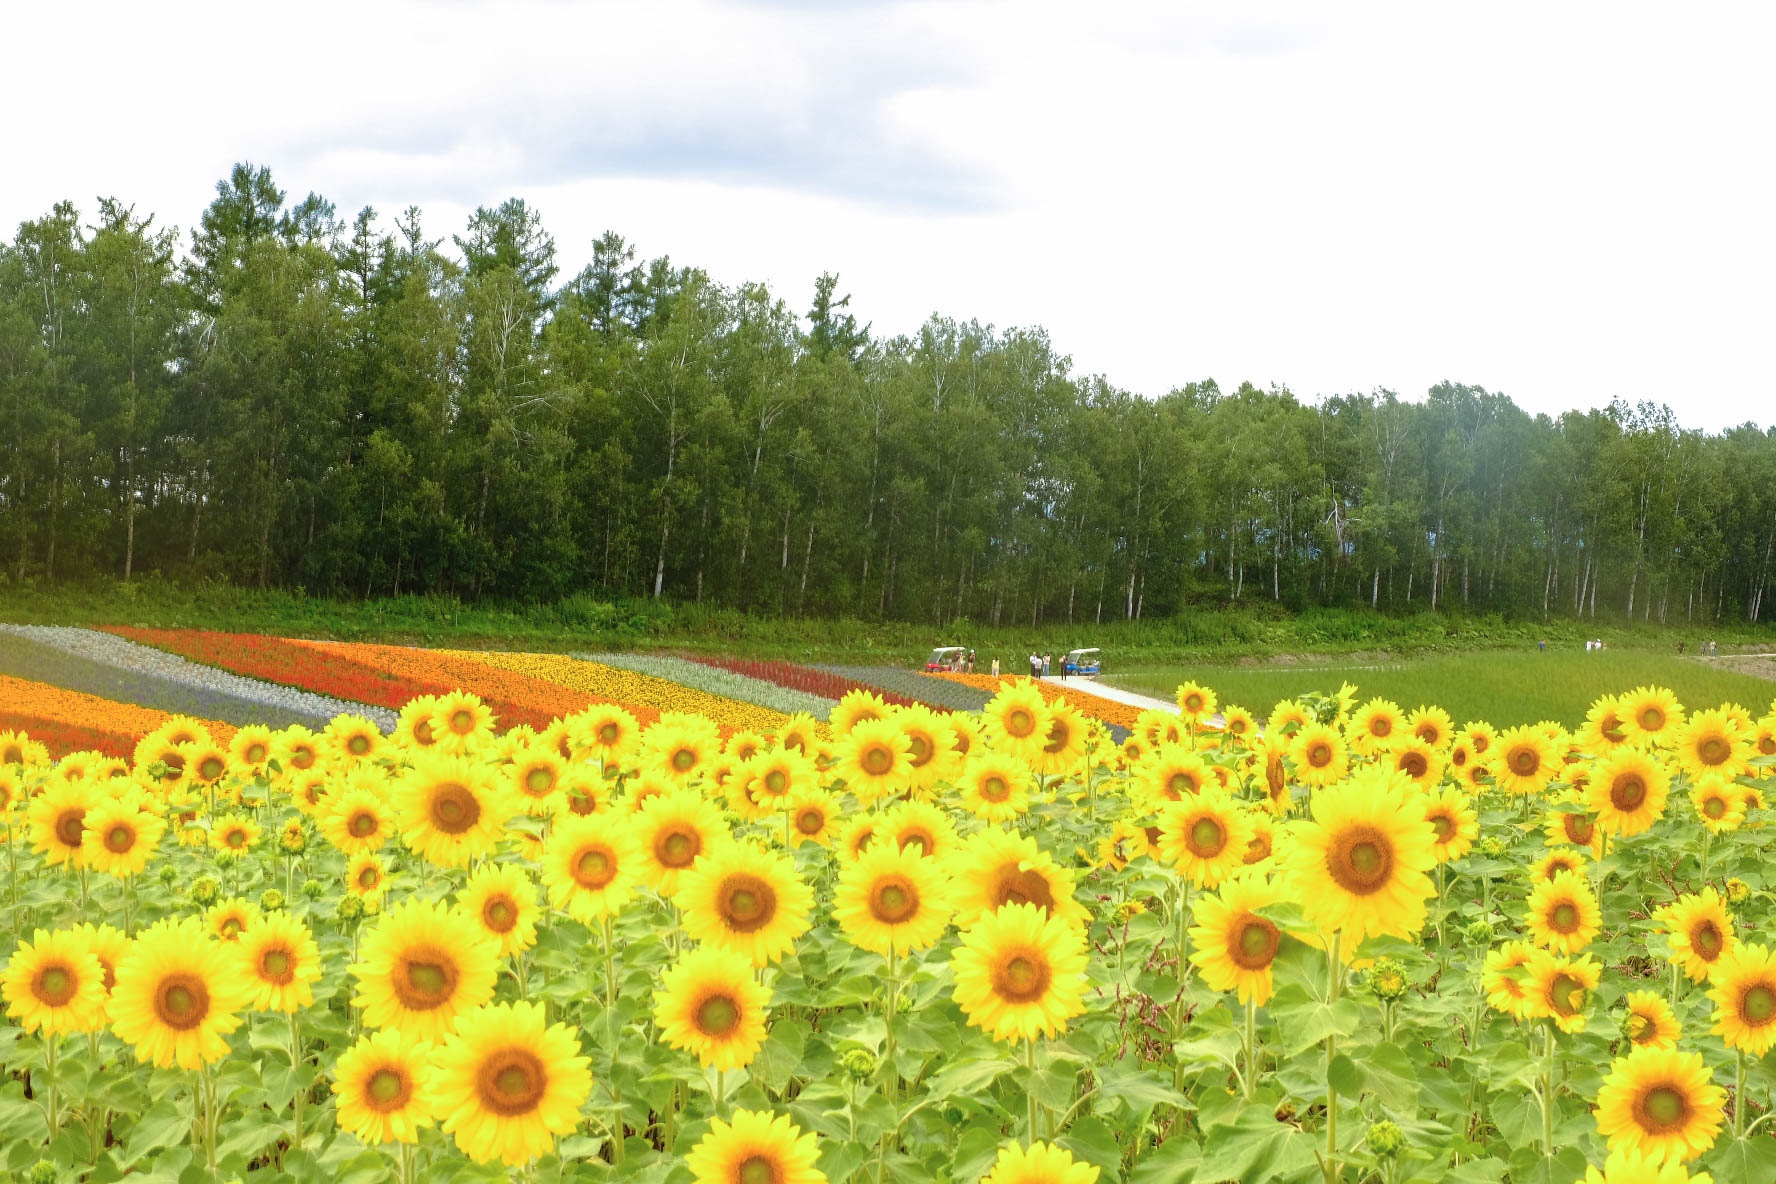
1565	202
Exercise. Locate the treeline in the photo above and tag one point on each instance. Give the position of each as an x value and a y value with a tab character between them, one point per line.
286	399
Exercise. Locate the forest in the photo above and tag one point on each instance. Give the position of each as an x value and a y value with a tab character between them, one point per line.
286	399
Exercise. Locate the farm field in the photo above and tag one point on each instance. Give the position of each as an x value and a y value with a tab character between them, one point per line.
1504	686
467	915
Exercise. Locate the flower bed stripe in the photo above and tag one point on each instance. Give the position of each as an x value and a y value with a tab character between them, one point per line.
1105	711
633	690
914	685
61	738
717	681
807	678
292	663
542	698
75	710
26	658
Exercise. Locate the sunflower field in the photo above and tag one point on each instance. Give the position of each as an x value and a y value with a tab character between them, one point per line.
1343	942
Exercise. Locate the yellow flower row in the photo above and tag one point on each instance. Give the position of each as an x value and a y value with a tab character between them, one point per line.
626	686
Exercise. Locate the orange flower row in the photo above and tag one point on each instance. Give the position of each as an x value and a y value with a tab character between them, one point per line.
79	712
1087	704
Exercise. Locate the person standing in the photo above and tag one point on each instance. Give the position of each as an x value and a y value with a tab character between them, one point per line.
1045	659
971	661
995	667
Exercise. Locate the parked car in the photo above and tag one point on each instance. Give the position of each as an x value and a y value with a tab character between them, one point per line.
947	657
1084	663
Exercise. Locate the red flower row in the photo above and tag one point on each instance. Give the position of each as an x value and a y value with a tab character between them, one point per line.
61	737
814	682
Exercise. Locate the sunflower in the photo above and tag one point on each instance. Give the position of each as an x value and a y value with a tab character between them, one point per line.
58	820
931	746
1461	755
279	964
590	865
995	788
1632	1167
856	707
672	832
1719	806
755	1146
1196	703
206	762
1700	931
813	817
352	739
605	731
1020	973
1525	761
891	900
1628	789
777	777
1563	914
1017	721
309	791
1320	755
874	760
251	750
507	1082
1570	827
920	827
1157	726
234	833
857	835
1063	740
1744	993
584	790
1711	742
118	836
1651	714
502	900
710	1003
461	722
1650	1022
298	749
1505	979
177	995
1419	761
231	917
1042	1163
1287	718
533	779
1555	863
1560	988
1763	736
746	899
801	733
450	810
423	966
1261	848
357	821
1453	822
365	877
1172	773
1204	836
414	729
1231	943
1660	1102
16	748
1605	727
380	1083
1376	726
54	983
677	754
1359	865
994	868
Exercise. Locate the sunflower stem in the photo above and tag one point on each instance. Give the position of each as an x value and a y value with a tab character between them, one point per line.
1251	1082
49	1085
1548	1091
83	894
207	1121
1030	1063
1332	985
406	1163
1707	844
890	1074
610	965
296	1067
1739	1097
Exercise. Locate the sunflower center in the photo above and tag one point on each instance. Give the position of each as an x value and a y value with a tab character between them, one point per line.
1193	702
1707	940
462	721
1257	849
211	767
919	748
1179	784
1274	779
12	754
1578	827
422	731
454	809
54	985
877	761
387	1090
511	1082
775	783
234	839
276	966
1381	726
1252	943
120	839
1767	744
594	868
746	903
1025	886
717	1015
231	928
369	876
1640	1028
539	780
358	745
70	825
1443	826
1564	918
363	824
1319	754
1414	765
1566	995
1524	761
500	914
582	803
1713	750
425	978
1758	1005
1628	791
893	901
1019	723
1651	719
809	820
756	1169
1022	978
302	757
1059	736
609	733
181	1001
683	759
1208	838
1714	808
1662	1108
1361	860
677	847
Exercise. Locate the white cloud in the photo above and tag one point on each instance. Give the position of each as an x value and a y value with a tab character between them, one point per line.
1563	202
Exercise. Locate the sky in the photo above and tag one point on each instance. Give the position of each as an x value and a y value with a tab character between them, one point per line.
1568	203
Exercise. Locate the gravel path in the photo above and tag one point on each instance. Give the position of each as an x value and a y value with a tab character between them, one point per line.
262	702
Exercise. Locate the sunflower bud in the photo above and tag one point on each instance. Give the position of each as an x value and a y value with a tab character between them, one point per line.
858	1063
271	900
1388	981
168	874
226	859
292	840
1492	846
43	1172
313	889
1385	1139
1479	932
205	891
1738	891
350	909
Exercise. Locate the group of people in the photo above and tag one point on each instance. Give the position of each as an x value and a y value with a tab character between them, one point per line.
963	663
1704	649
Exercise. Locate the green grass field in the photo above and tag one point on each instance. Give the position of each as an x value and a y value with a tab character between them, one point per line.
1504	687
